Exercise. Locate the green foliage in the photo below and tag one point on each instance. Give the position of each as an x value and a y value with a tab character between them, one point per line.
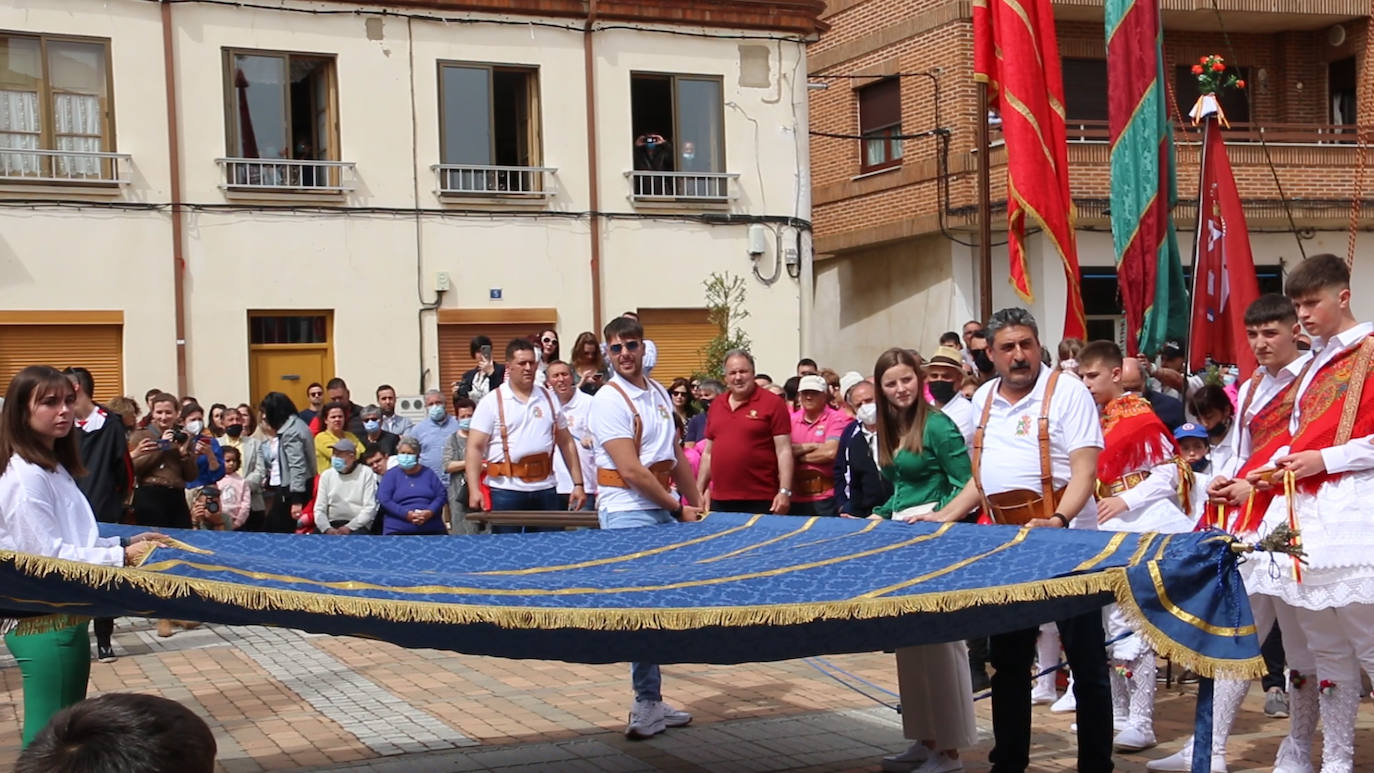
725	294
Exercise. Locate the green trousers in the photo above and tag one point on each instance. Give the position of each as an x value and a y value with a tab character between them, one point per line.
55	668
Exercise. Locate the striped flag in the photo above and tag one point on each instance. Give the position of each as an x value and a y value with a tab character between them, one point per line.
1148	268
1016	53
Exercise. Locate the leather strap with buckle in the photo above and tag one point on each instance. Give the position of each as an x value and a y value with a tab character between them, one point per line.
663	473
530	469
1125	483
1027	505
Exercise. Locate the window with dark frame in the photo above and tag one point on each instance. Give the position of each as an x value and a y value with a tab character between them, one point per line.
678	122
281	106
55	95
880	124
288	329
488	115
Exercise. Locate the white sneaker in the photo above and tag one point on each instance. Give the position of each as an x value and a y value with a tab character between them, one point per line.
1181	761
646	719
1041	697
1065	704
1120	721
673	717
1134	739
908	761
939	763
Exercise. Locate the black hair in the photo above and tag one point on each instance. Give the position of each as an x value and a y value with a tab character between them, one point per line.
950	338
83	379
808	362
476	344
518	345
1271	307
314	384
336	383
1209	398
385	386
122	733
623	327
459	403
1100	352
331	405
763	376
276	408
791	387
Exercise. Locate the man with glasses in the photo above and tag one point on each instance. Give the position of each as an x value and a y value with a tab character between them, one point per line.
315	394
638	459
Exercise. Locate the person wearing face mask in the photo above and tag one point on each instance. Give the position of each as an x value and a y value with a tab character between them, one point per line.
411	497
433	433
252	467
374	436
943	377
859	484
1216	413
455	464
346	496
707	391
978	356
209	454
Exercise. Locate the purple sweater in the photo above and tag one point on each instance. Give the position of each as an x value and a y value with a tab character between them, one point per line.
400	493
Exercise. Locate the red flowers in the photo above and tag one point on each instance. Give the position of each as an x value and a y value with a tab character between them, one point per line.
1197	69
1218	67
1213	76
1240	84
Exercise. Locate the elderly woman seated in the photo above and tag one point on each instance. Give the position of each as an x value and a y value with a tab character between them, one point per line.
411	497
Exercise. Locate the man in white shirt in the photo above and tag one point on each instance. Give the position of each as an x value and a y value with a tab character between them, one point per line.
514	431
346	499
576	406
1017	418
638	459
944	375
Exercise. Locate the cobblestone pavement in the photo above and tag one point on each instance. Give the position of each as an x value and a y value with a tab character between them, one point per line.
283	700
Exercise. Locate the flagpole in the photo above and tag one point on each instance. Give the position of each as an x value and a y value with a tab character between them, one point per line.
984	206
1207	127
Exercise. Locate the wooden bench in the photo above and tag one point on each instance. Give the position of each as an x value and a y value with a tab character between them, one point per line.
562	519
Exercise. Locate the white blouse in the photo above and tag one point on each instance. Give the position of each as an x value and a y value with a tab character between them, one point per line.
44	513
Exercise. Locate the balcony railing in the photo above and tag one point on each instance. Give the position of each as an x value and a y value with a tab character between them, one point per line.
286	175
497	181
1273	133
705	187
63	166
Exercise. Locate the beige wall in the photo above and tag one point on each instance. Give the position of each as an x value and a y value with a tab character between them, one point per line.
364	265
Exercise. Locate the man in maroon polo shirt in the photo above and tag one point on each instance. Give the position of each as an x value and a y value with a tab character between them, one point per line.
747	456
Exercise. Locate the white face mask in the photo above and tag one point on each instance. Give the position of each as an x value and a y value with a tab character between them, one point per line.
194	426
867	413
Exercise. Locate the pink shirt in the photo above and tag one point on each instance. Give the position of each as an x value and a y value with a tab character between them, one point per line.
830	425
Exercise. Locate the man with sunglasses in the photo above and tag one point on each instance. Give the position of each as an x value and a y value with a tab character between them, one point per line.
315	395
638	459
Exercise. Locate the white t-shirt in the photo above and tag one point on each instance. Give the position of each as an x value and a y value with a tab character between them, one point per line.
965	418
530	427
44	513
1011	440
577	411
612	419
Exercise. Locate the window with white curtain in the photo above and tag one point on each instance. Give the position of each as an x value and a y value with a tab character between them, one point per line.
54	96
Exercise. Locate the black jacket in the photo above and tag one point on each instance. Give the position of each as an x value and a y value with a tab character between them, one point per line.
497	377
109	476
859	484
1168	409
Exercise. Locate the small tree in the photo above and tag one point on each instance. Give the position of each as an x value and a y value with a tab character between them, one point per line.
725	308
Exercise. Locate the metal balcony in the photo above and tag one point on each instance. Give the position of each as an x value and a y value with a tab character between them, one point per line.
63	167
286	175
1300	134
685	187
494	181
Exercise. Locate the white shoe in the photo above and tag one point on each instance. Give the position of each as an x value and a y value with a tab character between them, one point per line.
906	762
1066	703
674	717
646	719
1181	761
1120	721
1134	739
1290	759
1041	697
939	763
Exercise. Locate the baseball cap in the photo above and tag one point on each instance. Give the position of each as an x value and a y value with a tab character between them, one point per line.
947	356
848	380
344	446
1190	430
812	383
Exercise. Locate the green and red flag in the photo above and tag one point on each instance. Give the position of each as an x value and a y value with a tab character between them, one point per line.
1149	271
1016	52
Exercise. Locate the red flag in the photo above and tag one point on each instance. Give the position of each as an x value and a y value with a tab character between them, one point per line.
1016	53
1224	282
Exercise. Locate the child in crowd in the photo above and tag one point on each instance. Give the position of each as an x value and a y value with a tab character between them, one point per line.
234	501
1193	446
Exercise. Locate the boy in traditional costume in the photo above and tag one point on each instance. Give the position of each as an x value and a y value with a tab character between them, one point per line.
1143	485
1260	429
1324	481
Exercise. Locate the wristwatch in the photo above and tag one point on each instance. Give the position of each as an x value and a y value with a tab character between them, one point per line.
787	492
1063	518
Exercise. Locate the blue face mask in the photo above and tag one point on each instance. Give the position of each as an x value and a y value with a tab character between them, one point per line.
337	463
465	424
406	461
372	425
437	412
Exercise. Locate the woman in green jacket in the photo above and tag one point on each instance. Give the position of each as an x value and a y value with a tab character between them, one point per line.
922	452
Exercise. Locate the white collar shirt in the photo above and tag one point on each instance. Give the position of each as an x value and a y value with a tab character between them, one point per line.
1011	439
577	410
1358	453
94	422
530	427
1234	451
44	513
612	419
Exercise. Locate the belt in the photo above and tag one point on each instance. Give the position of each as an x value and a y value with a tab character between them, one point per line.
1125	483
1019	506
812	482
662	471
531	469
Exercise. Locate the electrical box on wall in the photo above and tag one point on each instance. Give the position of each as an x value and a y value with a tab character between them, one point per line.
758	239
442	282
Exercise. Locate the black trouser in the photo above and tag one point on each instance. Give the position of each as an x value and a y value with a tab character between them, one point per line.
1011	654
819	507
1273	661
279	519
750	506
161	507
104	631
257	521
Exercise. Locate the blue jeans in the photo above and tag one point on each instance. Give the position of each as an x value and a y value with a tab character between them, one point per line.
645	677
506	499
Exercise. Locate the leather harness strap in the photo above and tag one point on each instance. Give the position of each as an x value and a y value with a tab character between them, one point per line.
530	468
1048	502
662	471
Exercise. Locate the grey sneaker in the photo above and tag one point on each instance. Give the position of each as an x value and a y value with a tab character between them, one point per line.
1276	704
675	717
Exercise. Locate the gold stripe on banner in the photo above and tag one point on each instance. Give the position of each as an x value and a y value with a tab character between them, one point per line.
1188	617
1112	545
804	527
954	567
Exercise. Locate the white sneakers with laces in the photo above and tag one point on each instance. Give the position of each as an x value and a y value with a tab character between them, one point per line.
649	718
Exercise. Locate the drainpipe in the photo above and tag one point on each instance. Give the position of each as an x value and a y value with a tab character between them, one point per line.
174	169
593	178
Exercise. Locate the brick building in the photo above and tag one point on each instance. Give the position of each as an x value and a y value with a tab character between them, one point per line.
895	220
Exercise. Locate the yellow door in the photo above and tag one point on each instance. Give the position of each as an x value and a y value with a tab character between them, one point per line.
289	369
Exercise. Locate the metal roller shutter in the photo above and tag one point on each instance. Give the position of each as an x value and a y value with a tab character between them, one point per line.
681	336
98	348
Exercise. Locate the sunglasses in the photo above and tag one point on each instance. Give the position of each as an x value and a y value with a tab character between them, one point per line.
549	340
632	346
679	393
317	394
